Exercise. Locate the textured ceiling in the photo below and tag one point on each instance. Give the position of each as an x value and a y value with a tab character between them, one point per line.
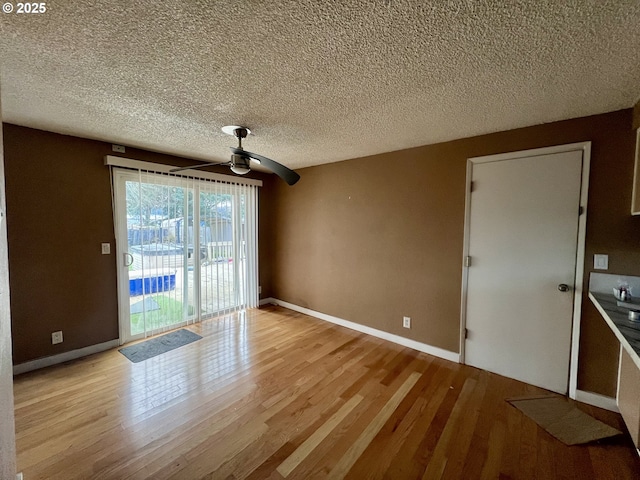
316	81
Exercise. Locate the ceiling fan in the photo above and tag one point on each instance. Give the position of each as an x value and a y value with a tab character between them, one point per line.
240	162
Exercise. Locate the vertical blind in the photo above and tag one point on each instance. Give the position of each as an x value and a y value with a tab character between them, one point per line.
191	248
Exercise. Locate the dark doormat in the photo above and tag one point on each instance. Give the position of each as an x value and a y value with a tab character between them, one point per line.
146	305
562	419
159	345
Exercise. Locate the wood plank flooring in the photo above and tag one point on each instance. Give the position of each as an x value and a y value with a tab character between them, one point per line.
273	394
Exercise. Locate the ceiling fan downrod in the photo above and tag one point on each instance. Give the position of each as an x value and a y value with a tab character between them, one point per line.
240	133
240	164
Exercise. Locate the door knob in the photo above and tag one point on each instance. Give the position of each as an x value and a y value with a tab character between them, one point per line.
563	287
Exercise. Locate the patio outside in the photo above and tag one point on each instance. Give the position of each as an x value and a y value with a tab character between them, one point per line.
162	256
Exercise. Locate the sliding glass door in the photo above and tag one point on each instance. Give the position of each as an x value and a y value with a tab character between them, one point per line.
187	250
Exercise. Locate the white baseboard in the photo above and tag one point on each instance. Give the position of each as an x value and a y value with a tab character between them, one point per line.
267	301
64	357
597	400
406	342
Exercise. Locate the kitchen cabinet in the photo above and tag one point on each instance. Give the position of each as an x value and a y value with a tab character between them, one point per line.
616	316
628	397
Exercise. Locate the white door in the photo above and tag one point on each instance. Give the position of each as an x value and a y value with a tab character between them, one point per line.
523	235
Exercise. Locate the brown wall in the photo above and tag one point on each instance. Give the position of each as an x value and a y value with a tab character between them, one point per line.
58	214
374	239
368	240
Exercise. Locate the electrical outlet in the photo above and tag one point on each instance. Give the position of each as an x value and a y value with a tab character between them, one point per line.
56	337
406	322
259	290
106	248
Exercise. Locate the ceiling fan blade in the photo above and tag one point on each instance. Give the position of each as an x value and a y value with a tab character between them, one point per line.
283	172
200	165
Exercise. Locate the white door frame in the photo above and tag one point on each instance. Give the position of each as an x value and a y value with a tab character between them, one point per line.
585	147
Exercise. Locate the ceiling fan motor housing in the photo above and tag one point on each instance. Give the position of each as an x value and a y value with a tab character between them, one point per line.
240	164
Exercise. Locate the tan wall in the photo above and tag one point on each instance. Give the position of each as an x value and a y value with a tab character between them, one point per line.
376	238
59	212
360	239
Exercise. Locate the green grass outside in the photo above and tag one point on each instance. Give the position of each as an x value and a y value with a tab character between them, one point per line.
169	313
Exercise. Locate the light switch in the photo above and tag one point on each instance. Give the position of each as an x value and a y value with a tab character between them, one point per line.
601	262
106	248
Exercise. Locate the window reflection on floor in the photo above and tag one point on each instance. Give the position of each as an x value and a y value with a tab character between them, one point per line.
223	355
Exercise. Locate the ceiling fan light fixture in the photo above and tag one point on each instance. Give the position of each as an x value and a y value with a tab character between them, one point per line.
240	170
240	164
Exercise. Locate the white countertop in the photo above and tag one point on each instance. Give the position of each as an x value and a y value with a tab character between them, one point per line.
626	331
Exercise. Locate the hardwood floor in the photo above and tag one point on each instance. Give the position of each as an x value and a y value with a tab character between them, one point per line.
274	394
